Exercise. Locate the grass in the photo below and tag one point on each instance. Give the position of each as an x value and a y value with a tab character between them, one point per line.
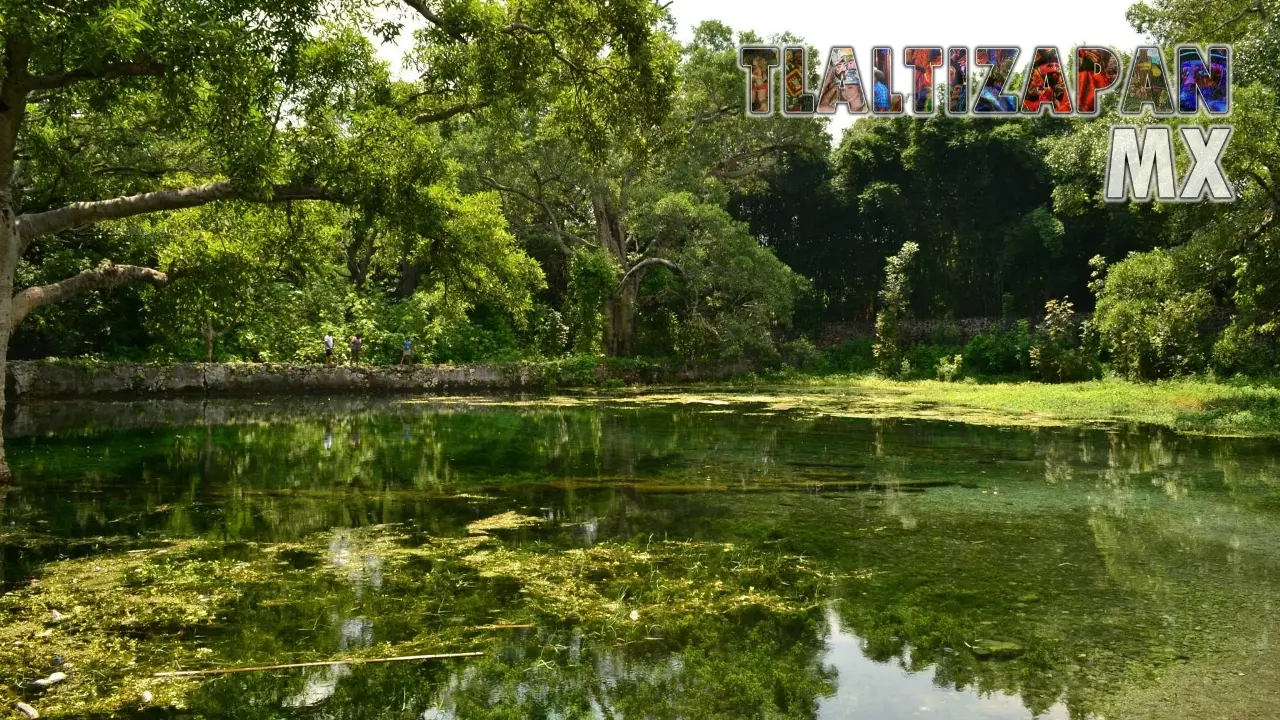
1192	406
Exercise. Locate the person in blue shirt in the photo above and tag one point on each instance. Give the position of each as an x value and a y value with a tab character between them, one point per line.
882	92
407	355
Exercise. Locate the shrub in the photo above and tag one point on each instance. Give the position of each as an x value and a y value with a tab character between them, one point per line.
949	369
1148	316
1247	349
593	276
1000	352
1064	350
894	299
923	360
802	354
851	356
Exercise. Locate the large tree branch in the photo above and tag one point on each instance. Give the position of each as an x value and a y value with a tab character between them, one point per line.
34	225
1256	8
707	116
644	264
107	276
1271	193
513	28
432	17
731	168
558	232
1273	211
140	66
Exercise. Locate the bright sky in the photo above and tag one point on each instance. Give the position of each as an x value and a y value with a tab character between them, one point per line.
902	23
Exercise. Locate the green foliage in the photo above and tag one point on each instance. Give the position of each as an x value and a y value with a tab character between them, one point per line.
852	356
921	362
1000	352
547	335
1149	314
1064	348
802	354
950	369
894	307
491	214
734	294
592	278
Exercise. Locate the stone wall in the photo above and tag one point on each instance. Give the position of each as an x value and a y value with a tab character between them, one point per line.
38	379
914	332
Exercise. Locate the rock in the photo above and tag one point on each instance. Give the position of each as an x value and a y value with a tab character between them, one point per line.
56	617
50	681
27	710
996	649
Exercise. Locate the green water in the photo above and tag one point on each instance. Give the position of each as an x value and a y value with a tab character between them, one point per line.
692	561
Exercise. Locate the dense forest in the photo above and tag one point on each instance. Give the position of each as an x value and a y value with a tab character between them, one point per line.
564	177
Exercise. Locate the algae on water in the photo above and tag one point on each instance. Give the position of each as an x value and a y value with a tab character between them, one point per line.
204	604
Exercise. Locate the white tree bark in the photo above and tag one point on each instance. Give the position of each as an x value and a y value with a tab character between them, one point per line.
9	254
102	278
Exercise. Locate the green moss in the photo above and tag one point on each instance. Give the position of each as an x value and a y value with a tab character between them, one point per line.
196	604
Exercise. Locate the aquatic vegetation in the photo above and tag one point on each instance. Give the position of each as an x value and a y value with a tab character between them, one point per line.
506	521
106	618
663	556
113	620
661	585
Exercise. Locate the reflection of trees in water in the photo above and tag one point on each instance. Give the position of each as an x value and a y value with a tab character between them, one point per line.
1111	531
749	662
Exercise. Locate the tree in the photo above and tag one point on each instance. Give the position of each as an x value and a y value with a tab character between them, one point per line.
894	308
110	99
1233	249
110	111
573	191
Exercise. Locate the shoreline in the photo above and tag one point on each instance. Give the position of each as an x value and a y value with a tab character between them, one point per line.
65	394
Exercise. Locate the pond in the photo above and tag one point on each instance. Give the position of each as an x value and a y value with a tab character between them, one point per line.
630	557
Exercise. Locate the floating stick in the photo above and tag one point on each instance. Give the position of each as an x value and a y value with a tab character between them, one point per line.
352	661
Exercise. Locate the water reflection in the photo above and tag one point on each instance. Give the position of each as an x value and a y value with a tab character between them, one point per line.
872	690
1109	559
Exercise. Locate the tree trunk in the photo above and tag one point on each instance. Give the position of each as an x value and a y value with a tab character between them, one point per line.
619	306
9	251
619	320
408	282
208	340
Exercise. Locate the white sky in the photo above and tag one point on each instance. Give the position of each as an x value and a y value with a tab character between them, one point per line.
899	23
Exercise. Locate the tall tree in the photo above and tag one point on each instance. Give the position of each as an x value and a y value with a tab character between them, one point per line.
115	110
580	192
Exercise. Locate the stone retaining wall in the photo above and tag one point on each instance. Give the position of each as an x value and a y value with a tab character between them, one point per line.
37	379
913	332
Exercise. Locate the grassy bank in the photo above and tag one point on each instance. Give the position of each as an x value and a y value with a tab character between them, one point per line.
1188	406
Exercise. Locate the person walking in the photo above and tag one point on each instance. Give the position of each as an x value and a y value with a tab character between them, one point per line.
407	355
328	349
356	342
